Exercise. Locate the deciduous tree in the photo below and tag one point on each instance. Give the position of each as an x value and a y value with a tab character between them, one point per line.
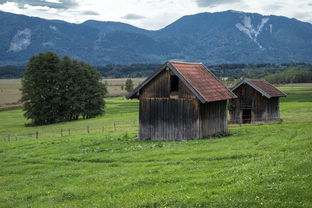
129	85
58	89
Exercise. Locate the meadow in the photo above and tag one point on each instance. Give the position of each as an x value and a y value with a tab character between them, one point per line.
10	93
265	165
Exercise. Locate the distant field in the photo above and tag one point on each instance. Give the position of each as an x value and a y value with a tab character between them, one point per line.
268	165
10	93
114	85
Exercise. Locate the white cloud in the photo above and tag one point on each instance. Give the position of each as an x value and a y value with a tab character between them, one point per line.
133	16
10	7
53	1
156	13
212	3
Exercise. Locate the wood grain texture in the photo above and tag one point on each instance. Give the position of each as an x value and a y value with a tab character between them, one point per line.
166	115
262	108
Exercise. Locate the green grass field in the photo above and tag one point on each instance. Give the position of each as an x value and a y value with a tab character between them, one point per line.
267	165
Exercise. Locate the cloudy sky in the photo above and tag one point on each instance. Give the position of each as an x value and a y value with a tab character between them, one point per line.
151	14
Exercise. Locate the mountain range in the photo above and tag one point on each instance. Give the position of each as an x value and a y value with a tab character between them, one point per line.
211	38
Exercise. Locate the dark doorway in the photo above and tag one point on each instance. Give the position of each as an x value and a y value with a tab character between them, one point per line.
246	115
174	83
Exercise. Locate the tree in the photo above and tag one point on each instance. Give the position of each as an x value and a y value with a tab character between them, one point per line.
58	89
129	85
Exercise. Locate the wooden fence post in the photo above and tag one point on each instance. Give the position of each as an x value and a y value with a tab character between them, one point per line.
88	130
37	134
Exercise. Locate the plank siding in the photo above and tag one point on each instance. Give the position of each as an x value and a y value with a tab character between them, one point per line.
160	88
177	115
173	119
262	108
213	118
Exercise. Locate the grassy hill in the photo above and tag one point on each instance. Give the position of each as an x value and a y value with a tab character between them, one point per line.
266	165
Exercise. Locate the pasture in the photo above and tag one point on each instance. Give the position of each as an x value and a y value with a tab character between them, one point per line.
10	93
268	165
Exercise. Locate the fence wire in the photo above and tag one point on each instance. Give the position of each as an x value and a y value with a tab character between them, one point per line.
110	127
114	126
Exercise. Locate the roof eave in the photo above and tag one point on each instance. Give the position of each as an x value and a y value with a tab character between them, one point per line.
188	85
284	94
259	89
233	94
246	81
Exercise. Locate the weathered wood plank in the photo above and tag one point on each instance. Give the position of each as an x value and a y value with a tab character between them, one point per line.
262	108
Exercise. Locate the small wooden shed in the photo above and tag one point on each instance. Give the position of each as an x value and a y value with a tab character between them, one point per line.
182	101
258	101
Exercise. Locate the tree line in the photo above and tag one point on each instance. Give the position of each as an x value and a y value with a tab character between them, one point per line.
144	70
238	71
291	76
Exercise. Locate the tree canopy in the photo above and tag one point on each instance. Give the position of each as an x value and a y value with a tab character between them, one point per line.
291	76
58	89
129	85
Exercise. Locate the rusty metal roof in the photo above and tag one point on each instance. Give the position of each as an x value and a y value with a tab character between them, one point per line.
203	84
263	87
203	81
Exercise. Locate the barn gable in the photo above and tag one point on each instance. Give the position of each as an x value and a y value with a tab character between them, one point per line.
262	86
196	77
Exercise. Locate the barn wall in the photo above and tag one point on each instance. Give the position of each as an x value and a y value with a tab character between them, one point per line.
235	112
213	118
262	108
273	109
159	87
171	119
165	114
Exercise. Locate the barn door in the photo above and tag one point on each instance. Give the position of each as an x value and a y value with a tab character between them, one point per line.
247	100
246	116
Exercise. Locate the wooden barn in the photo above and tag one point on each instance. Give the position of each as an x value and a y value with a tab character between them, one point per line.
182	101
258	101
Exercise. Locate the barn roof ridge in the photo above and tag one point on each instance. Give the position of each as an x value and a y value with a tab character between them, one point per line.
212	89
183	62
251	83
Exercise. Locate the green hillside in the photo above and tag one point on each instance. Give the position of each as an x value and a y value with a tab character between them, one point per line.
267	165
